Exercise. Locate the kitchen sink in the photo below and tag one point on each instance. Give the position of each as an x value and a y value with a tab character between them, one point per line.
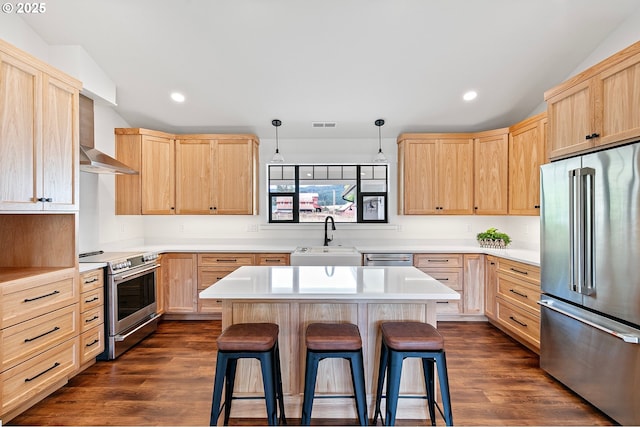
326	255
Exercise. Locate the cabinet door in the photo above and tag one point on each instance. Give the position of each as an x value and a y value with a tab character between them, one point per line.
20	139
455	176
491	155
194	182
491	286
618	115
570	116
180	272
234	177
158	175
474	284
60	145
419	180
526	154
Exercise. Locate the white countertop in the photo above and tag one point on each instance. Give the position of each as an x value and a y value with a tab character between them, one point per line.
528	256
348	283
88	266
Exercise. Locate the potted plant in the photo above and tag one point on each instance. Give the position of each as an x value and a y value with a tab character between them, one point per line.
492	238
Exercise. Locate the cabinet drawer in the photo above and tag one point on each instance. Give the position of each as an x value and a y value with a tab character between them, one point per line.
452	277
27	379
209	306
225	259
92	299
527	272
272	259
34	336
91	318
27	298
450	306
518	292
208	276
91	343
437	260
519	321
91	280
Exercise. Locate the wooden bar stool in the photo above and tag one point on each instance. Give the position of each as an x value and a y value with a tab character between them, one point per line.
412	339
248	341
334	340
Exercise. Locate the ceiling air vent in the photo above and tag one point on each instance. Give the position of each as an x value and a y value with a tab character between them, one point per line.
323	124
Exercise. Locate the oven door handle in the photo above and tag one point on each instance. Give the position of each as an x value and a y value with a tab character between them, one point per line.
137	273
125	336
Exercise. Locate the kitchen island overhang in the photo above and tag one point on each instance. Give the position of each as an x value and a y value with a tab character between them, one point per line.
294	296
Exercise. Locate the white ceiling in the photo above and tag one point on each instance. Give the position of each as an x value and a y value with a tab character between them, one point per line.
242	63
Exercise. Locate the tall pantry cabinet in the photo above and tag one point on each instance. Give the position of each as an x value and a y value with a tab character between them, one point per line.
39	280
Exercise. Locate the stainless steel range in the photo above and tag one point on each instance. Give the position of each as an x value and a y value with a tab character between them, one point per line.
131	292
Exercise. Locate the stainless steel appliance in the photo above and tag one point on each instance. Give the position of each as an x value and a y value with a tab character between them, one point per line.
131	310
590	259
388	259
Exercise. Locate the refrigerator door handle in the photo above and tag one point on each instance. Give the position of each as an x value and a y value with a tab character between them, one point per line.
588	179
574	226
628	338
581	232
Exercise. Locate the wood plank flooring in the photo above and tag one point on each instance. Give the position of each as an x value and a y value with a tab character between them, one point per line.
168	378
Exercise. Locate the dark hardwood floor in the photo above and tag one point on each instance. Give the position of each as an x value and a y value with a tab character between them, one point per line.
168	378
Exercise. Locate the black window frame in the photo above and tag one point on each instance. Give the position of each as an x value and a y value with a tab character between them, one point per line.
360	195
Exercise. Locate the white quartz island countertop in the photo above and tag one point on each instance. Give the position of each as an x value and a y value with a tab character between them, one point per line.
329	283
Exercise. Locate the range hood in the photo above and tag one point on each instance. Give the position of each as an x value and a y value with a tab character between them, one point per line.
91	159
95	161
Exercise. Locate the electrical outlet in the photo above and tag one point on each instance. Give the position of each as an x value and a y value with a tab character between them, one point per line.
252	228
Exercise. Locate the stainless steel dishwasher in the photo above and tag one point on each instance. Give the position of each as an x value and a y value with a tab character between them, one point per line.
388	259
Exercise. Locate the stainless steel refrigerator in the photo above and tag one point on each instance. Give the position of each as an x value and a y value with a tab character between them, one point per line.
590	260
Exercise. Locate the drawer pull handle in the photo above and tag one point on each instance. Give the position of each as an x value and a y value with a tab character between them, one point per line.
92	319
41	296
272	260
444	279
41	335
92	343
519	271
437	260
226	260
518	322
442	302
55	365
91	300
520	294
95	279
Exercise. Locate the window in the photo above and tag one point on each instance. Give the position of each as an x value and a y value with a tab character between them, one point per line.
310	193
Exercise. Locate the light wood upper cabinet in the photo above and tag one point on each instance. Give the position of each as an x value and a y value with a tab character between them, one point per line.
491	168
157	175
39	137
187	174
435	174
598	107
526	154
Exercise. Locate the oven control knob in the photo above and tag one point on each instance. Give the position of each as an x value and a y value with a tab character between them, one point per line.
128	263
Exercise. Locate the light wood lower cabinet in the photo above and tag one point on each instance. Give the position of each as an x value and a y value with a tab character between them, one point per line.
91	316
185	275
463	273
516	291
491	286
39	334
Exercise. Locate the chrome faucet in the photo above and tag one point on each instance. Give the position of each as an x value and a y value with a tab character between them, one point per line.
333	227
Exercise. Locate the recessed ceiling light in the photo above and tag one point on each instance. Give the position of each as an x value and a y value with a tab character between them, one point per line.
470	96
177	97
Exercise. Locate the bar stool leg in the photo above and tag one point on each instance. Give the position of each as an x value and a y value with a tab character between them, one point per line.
382	368
441	363
311	370
280	394
221	368
229	384
394	371
427	368
267	361
357	379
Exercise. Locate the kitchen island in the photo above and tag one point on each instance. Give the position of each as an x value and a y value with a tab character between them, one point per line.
293	297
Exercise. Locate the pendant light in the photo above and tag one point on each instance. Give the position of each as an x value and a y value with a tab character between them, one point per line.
277	157
380	157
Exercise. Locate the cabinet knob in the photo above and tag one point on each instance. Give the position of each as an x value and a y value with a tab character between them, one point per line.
536	206
595	135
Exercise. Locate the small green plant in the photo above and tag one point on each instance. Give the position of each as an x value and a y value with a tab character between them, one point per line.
492	237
